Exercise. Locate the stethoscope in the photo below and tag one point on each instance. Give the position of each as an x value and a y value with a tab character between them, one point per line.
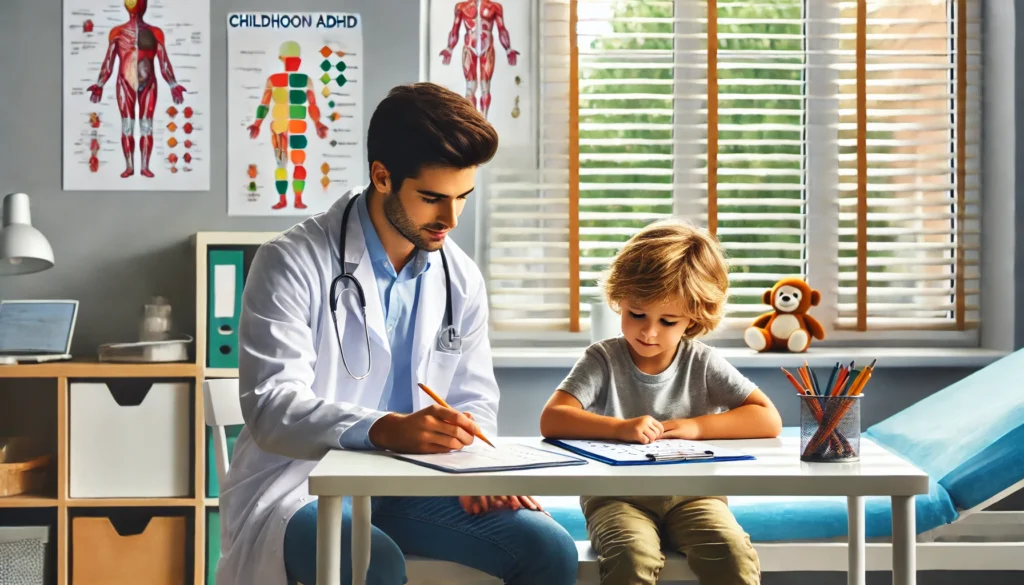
447	338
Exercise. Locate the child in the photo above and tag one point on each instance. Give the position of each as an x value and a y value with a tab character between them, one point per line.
656	381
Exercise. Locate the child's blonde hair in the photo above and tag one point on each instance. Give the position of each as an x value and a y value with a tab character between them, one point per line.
669	261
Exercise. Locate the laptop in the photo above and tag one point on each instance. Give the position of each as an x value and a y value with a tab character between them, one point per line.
36	331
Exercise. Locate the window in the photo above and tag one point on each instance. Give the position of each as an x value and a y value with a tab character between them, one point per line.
835	141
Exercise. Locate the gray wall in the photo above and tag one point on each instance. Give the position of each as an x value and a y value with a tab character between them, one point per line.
114	250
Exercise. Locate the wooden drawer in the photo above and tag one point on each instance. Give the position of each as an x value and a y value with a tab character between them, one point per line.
128	554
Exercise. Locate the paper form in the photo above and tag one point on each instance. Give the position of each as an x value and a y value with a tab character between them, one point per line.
479	457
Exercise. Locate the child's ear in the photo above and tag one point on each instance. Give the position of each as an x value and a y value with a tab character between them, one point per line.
766	298
815	298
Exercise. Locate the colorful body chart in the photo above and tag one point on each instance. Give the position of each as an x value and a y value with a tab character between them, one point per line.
483	50
136	111
295	111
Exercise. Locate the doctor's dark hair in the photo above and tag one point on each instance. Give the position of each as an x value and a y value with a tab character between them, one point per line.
426	125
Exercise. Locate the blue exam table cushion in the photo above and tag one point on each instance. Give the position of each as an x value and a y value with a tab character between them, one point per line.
969	437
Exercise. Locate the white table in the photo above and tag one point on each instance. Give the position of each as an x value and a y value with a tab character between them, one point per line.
777	471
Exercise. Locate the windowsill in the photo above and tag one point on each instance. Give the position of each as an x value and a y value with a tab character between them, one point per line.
888	357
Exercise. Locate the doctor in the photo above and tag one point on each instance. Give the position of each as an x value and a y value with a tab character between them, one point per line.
426	320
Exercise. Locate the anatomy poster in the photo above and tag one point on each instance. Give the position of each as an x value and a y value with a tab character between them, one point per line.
137	95
483	50
295	111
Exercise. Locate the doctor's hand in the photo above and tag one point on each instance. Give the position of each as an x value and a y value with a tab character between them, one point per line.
434	429
482	504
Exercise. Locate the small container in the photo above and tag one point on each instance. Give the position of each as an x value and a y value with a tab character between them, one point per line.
156	320
605	323
830	428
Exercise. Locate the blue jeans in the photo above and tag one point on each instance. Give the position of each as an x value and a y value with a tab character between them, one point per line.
521	547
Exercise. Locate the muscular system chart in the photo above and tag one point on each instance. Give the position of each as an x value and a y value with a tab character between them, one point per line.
136	95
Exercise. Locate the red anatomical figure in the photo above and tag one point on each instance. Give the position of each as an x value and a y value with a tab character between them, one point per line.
478	46
136	44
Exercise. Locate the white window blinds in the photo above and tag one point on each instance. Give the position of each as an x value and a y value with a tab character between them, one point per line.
909	136
744	117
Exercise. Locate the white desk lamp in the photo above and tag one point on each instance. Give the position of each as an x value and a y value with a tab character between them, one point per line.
23	248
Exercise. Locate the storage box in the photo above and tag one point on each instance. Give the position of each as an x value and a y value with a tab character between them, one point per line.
105	554
23	554
129	438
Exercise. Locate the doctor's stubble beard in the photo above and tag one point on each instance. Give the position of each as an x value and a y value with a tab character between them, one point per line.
395	212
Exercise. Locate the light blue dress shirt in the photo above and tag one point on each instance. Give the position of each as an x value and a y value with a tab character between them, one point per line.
399	294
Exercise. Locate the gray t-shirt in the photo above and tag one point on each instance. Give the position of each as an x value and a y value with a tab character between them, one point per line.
699	381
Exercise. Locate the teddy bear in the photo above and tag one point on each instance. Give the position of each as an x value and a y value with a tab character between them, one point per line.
787	326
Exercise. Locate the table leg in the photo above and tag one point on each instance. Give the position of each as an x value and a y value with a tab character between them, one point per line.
904	541
328	541
856	569
360	539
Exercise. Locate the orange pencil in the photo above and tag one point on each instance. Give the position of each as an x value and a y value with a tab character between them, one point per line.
441	401
855	385
866	378
860	388
794	382
806	379
858	385
840	380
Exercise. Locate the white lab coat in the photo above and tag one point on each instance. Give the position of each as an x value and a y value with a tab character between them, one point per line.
296	395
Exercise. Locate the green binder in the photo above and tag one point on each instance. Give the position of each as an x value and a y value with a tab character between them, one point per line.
224	303
212	544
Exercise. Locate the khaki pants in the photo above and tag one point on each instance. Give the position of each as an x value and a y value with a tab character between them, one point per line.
626	533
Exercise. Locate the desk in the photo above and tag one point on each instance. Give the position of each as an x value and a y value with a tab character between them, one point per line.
777	471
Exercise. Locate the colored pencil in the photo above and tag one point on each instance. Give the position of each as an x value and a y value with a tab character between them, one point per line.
839	381
866	375
803	377
832	378
792	380
854	373
817	385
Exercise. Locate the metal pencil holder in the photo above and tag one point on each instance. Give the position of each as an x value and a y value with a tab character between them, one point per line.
829	428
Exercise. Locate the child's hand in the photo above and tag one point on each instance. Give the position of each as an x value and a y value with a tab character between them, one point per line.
642	429
683	428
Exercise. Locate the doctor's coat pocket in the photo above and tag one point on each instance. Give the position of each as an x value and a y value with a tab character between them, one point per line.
441	366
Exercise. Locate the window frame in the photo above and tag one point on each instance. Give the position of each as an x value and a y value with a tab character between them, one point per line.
822	268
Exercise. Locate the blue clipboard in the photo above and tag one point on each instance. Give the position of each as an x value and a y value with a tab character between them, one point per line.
709	456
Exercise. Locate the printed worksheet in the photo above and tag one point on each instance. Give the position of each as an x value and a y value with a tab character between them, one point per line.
660	450
482	457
